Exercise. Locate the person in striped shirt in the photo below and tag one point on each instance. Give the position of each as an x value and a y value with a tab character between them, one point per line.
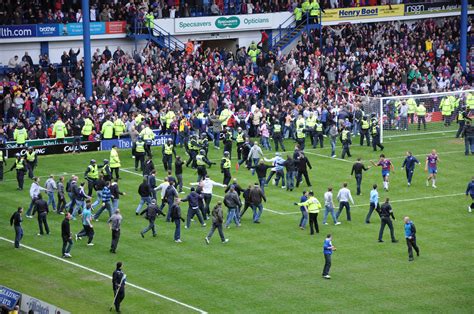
106	201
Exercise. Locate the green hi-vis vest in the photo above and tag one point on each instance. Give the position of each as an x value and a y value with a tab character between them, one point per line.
168	149
200	160
226	163
93	172
140	147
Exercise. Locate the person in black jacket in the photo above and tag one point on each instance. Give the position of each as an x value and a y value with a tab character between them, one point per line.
261	170
357	168
302	164
151	212
115	192
170	196
246	195
15	220
118	284
217	220
152	183
148	167
41	206
290	167
145	194
178	171
193	199
66	235
176	218
385	213
244	151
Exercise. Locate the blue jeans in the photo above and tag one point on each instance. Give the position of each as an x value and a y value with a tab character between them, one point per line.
329	209
358	178
143	200
333	146
18	235
177	230
343	205
266	143
280	174
254	163
290	180
468	145
262	182
304	218
257	215
232	216
98	200
115	203
79	205
216	136
108	206
51	200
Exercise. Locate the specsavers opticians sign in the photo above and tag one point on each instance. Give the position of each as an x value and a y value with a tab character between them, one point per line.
363	13
227	23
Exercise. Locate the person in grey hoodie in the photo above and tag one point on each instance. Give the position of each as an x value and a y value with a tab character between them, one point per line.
254	156
232	202
61	196
217	220
333	133
51	186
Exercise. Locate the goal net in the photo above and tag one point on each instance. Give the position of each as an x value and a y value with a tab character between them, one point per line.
403	115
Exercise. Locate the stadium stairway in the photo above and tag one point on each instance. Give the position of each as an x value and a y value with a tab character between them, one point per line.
290	31
155	34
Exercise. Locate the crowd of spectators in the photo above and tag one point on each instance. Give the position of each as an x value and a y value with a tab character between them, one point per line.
16	12
377	59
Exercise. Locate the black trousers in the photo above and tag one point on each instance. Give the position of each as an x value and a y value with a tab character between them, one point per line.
278	142
346	149
313	222
364	133
383	222
246	206
1	170
139	157
376	142
168	162
87	231
116	171
115	240
227	176
43	221
371	210
20	178
119	298
90	185
299	178
61	203
411	244
207	201
327	264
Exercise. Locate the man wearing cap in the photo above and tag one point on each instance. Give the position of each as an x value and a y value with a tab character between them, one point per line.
105	170
20	167
151	211
168	152
225	167
91	175
31	162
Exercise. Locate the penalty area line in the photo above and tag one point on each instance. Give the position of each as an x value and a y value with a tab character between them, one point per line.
108	276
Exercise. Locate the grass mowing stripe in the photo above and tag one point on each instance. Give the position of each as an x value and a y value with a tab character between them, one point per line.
188	188
398	201
107	276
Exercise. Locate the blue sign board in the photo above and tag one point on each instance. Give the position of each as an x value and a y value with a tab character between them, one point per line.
17	31
75	29
126	143
8	298
49	30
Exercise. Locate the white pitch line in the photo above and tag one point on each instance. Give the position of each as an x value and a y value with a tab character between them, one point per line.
398	201
107	276
321	155
423	133
188	188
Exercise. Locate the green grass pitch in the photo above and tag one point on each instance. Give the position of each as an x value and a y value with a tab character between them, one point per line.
270	267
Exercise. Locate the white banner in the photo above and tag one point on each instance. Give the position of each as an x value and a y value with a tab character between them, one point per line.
228	23
28	303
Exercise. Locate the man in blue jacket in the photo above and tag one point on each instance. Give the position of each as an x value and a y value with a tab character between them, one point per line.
327	250
409	164
410	235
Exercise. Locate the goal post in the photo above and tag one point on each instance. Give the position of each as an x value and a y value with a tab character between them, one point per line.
405	116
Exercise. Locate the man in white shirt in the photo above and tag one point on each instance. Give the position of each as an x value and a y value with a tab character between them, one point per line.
35	190
344	196
207	185
162	187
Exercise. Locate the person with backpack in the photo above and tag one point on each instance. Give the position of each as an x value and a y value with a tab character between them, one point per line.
151	211
410	235
175	216
217	221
